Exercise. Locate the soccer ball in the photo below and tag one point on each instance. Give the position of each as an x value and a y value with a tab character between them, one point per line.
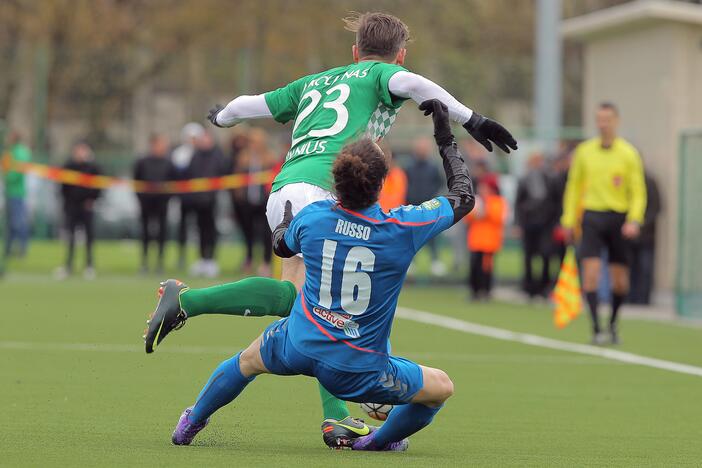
377	411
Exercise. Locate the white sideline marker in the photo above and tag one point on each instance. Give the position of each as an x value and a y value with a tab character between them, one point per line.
535	340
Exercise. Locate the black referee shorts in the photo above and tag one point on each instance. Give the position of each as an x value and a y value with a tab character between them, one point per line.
603	229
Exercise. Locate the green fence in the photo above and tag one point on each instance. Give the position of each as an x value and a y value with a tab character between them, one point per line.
689	275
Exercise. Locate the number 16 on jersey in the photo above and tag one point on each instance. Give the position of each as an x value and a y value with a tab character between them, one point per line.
355	281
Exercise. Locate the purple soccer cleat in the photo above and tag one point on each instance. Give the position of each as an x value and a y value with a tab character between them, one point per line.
186	431
368	443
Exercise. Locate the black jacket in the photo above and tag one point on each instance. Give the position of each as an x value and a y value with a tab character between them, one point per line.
537	209
424	177
647	238
154	169
205	163
74	196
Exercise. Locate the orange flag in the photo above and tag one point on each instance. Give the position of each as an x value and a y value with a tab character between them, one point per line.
567	297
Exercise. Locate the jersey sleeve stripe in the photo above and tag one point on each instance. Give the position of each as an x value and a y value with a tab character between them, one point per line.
389	220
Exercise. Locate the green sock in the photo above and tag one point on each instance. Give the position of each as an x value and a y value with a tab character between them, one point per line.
256	297
331	406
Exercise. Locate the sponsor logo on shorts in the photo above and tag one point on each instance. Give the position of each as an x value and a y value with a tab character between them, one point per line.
341	321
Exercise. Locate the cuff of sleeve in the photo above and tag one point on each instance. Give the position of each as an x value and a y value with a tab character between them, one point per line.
567	222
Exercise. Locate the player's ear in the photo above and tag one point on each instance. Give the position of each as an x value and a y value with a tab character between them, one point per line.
400	58
354	52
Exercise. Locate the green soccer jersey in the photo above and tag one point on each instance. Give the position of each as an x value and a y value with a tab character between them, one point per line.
331	109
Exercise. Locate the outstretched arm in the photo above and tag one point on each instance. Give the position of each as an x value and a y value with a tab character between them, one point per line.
460	186
240	109
409	85
486	131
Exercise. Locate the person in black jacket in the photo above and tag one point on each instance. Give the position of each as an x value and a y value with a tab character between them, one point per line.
207	161
154	167
249	202
78	208
643	249
536	214
424	180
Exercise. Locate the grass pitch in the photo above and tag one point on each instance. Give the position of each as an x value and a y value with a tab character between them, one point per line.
78	389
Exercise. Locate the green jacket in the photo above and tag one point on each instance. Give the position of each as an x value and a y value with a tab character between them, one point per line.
14	181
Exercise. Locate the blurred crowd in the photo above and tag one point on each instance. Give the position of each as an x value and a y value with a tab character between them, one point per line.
531	214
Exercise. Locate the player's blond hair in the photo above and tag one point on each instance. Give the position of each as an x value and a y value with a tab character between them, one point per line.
378	34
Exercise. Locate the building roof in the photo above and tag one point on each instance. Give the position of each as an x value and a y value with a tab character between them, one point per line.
630	15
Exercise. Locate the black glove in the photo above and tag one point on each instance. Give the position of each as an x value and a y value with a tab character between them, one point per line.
280	248
287	214
439	113
212	116
485	130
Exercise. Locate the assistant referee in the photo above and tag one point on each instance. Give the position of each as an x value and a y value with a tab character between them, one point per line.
606	180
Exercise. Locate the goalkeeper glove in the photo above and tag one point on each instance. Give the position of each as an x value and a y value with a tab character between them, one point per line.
439	113
485	131
212	116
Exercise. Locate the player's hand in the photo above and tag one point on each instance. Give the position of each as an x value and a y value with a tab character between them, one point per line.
568	235
212	116
631	230
487	131
440	116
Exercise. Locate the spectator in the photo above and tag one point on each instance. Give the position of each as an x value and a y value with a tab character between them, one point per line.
485	232
207	161
181	157
560	176
249	202
154	167
607	179
536	215
394	191
78	208
644	247
15	194
425	178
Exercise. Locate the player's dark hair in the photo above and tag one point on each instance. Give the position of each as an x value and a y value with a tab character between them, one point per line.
608	105
359	172
378	34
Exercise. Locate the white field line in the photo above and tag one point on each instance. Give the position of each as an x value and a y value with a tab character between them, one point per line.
534	340
175	349
420	317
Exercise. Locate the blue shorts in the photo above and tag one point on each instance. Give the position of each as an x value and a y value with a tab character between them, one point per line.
395	384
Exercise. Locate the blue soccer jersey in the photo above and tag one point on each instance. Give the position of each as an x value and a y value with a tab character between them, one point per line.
356	263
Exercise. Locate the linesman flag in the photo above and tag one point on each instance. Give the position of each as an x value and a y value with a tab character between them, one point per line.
567	296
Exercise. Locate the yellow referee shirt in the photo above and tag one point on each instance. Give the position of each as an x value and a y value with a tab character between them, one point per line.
605	179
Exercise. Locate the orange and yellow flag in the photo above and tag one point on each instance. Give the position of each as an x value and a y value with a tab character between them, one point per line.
567	297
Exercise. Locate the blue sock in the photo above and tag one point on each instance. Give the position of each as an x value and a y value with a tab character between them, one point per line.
225	384
403	421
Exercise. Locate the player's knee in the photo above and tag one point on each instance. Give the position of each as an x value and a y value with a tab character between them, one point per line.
444	386
250	362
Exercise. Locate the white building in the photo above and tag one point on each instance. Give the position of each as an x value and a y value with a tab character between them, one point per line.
646	56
